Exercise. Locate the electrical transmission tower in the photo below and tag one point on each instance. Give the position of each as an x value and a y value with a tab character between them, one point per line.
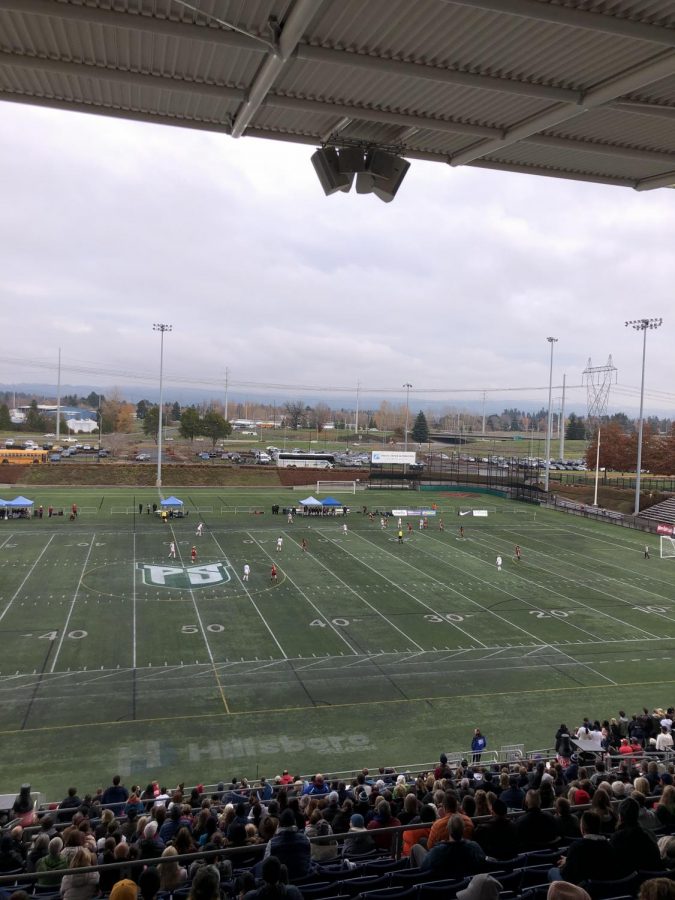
598	381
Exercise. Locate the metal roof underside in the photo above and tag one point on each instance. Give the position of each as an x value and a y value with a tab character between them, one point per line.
581	89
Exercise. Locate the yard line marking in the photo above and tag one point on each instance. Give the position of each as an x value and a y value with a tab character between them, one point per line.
587	606
203	630
550	590
28	574
404	591
248	594
496	653
311	602
7	540
133	604
611	578
460	594
72	602
585	665
362	598
309	665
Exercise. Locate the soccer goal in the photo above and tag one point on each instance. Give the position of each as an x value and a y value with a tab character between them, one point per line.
336	487
667	547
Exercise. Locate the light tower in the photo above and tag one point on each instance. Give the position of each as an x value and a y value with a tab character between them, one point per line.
598	381
159	326
643	325
547	463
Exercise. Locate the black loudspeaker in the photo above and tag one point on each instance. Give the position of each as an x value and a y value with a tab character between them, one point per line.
388	172
352	159
327	167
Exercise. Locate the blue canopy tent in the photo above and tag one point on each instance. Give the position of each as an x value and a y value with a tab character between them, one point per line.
173	508
331	501
20	503
171	501
310	501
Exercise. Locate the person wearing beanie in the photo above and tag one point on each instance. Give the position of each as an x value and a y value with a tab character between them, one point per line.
150	846
358	840
481	887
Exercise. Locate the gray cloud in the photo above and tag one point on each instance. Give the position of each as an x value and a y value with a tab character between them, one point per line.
107	226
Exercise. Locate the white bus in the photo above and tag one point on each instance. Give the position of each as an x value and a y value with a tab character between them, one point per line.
306	460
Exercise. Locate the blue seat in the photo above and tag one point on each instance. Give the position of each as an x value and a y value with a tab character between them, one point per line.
352	887
532	876
408	877
510	881
617	887
378	866
317	891
441	890
392	893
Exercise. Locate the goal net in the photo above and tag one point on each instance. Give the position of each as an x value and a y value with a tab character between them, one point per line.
667	547
336	487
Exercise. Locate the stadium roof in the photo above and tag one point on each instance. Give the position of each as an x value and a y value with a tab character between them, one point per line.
581	89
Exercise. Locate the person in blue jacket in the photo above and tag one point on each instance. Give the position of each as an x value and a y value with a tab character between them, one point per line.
478	744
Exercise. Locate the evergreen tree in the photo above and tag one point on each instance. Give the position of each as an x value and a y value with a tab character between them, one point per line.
5	421
142	409
420	429
215	427
175	412
190	423
151	421
576	428
34	420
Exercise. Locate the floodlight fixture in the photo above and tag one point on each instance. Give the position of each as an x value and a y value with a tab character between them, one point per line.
643	325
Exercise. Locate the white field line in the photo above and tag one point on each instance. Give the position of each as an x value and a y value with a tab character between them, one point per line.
72	603
194	602
459	593
363	599
304	595
133	604
28	574
585	665
404	591
248	594
635	587
516	573
8	539
598	590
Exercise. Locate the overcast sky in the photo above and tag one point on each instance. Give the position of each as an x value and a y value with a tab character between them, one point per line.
108	226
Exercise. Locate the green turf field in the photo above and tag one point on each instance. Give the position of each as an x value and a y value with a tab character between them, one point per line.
366	651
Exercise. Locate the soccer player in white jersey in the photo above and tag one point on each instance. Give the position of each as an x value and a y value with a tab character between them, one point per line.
172	550
344	528
247	572
280	544
499	563
200	529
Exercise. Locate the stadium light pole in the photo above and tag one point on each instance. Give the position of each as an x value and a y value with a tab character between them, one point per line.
547	461
162	328
643	325
407	412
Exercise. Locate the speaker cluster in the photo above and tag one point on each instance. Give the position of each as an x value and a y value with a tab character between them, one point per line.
376	171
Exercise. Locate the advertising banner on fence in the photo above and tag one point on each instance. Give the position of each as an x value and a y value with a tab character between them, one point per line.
393	457
665	529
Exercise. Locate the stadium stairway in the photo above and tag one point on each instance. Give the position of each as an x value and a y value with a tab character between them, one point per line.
660	512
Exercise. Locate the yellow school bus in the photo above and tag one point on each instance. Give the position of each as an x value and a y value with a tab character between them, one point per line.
17	457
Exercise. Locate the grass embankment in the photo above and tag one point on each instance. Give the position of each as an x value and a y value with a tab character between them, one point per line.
145	475
619	499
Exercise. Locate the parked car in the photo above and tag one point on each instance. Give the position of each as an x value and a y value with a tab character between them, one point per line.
55	457
203	455
142	457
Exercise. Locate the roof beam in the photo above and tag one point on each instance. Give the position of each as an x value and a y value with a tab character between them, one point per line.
640	76
121	76
323	55
343	113
402	68
96	15
523	169
575	18
299	17
656	181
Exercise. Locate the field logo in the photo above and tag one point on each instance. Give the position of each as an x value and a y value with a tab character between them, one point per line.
184	577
